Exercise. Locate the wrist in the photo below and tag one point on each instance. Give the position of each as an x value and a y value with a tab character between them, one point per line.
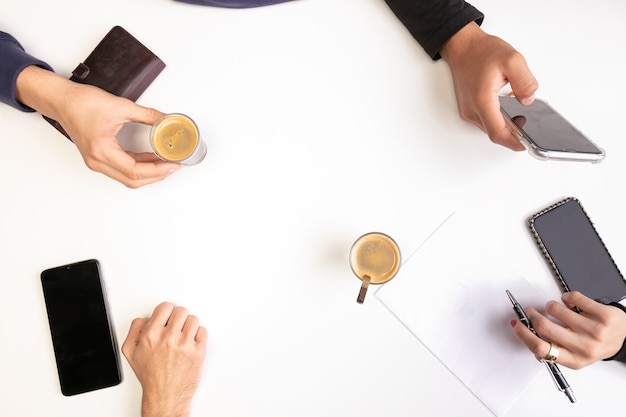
41	90
164	406
620	355
461	42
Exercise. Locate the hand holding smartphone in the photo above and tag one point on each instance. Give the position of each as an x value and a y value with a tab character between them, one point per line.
546	134
576	253
84	342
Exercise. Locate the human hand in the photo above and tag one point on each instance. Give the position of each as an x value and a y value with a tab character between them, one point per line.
92	117
166	352
481	65
597	333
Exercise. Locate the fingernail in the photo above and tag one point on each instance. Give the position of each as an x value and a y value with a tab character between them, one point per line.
513	323
528	100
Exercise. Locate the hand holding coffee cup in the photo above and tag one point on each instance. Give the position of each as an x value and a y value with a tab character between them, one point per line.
374	259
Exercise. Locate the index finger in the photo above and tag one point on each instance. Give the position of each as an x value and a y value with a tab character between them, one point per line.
161	314
541	347
122	167
534	343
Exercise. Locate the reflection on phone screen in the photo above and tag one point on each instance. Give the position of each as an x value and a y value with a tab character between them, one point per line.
578	252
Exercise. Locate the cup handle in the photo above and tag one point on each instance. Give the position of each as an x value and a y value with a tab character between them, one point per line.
366	282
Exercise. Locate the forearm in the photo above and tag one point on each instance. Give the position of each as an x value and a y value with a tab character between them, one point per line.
433	22
43	90
13	60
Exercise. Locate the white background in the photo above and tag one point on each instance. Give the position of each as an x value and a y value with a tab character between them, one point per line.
324	120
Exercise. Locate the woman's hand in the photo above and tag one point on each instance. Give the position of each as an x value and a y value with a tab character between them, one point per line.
597	333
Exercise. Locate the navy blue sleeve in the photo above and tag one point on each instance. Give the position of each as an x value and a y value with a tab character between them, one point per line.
13	59
235	4
433	22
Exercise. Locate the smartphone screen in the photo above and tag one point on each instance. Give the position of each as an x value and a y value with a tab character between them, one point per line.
577	253
82	334
548	134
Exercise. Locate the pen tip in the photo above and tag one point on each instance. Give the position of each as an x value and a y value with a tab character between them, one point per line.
570	395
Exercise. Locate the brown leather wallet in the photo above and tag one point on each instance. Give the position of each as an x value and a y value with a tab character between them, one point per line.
120	64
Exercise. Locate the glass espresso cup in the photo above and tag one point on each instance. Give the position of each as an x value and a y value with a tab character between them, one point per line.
374	259
176	138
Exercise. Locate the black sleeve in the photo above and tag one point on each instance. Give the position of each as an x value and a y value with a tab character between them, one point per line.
621	355
433	22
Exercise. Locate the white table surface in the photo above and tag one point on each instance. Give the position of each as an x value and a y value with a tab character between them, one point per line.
324	120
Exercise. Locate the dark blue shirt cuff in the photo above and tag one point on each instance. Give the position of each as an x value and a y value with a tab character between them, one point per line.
235	4
13	59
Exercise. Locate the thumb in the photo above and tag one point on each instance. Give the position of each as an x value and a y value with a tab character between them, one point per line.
523	83
145	115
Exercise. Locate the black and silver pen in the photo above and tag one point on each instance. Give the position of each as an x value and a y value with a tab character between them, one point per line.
555	372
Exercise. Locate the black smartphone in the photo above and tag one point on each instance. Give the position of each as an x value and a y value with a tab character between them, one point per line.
83	339
576	253
546	134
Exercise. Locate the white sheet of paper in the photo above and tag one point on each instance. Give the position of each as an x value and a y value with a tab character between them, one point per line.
452	297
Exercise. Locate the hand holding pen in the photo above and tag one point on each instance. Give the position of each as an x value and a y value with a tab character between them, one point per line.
596	332
550	357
